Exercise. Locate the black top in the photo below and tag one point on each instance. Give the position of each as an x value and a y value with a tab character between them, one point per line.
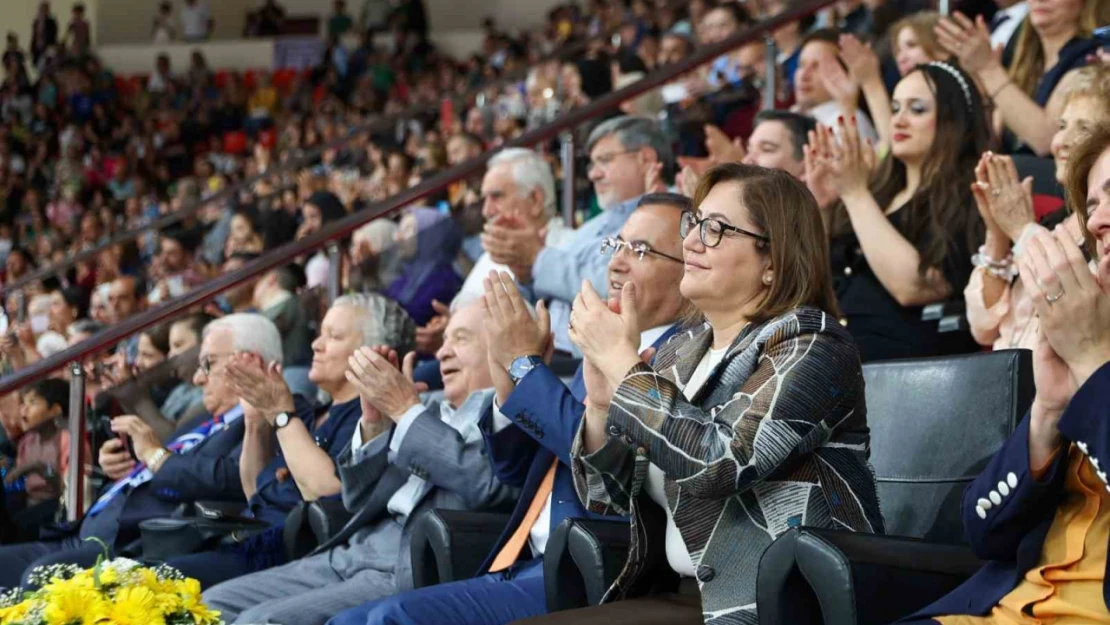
882	328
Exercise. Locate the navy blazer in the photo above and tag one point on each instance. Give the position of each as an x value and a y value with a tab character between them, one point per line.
210	470
546	414
1011	533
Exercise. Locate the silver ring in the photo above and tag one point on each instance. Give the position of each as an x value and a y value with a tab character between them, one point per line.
1052	299
996	192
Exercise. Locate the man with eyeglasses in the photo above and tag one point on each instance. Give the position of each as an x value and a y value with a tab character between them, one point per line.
628	157
151	480
530	427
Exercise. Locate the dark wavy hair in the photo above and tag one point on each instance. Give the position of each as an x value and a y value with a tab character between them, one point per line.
943	207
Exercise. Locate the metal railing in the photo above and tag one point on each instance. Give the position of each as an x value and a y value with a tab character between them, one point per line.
342	228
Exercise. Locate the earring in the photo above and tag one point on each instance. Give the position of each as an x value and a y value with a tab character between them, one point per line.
767	279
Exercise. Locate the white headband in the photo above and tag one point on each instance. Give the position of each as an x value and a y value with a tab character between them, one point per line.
952	71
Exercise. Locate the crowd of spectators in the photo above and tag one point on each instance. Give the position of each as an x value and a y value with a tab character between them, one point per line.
749	254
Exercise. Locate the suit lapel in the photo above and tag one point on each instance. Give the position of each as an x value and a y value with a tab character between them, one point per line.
391	480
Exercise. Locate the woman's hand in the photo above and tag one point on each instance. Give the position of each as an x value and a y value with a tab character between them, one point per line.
1010	201
429	338
968	41
260	385
608	338
379	382
1074	308
599	391
818	171
850	160
1055	387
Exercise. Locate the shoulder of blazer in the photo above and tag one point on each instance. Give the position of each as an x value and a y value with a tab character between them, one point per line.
789	325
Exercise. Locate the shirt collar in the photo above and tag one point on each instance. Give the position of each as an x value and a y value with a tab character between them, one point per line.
649	337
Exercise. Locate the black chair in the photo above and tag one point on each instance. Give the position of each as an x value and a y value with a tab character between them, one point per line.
450	545
935	423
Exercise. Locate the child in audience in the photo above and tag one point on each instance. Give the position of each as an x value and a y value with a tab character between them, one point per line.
42	455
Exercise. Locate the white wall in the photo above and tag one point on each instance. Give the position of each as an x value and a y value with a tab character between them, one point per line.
17	16
128	21
241	54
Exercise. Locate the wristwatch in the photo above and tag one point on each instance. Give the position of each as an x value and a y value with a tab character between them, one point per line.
281	420
522	365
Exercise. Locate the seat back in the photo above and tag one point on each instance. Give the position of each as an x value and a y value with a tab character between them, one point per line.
935	423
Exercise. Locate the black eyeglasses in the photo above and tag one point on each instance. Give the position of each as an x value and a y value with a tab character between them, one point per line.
711	230
637	248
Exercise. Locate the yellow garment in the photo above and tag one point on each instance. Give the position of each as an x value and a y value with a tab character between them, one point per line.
1066	586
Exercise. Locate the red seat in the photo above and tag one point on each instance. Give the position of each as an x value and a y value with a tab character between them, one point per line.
235	142
250	79
221	78
1046	204
268	138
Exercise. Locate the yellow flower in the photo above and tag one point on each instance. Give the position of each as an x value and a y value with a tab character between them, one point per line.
134	606
72	604
189	591
15	613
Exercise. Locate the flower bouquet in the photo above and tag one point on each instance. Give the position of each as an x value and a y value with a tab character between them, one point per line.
114	592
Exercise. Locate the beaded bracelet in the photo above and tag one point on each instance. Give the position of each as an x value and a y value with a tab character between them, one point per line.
1003	269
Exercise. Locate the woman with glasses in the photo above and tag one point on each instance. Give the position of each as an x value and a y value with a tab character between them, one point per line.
750	422
902	233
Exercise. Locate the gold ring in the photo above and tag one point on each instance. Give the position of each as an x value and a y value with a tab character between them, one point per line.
1052	299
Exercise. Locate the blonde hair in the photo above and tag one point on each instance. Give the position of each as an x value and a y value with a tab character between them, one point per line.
1028	67
1092	81
922	24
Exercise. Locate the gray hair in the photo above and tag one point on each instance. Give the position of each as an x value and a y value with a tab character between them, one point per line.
634	133
384	321
250	332
529	172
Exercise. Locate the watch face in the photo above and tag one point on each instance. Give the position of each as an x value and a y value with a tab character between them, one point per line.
282	420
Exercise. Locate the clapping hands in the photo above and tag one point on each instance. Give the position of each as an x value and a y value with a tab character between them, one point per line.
1005	204
383	387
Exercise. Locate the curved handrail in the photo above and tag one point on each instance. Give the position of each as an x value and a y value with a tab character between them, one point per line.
378	124
344	227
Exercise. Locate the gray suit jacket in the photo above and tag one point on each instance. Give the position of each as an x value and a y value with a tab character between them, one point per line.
454	464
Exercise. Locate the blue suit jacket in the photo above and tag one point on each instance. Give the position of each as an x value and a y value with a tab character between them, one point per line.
1011	534
546	414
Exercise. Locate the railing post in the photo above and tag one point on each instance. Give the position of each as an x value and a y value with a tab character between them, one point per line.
942	7
75	486
335	272
566	154
770	77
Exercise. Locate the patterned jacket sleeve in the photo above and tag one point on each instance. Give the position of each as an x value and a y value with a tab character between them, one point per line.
803	386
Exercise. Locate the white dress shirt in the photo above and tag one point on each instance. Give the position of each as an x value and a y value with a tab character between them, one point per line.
472	288
677	554
194	21
828	114
406	498
1007	21
537	538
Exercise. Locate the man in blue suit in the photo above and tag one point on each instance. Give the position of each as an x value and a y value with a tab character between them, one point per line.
530	427
200	464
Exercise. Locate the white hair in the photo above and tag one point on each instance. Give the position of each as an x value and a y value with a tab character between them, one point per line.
529	172
384	321
251	333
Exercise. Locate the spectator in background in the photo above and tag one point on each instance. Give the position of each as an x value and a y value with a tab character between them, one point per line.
43	448
913	41
162	77
673	47
1005	22
321	208
44	32
1000	312
267	21
902	235
339	22
375	258
275	297
819	61
196	21
1028	95
79	34
628	157
778	141
788	42
428	242
163	29
175	266
124	299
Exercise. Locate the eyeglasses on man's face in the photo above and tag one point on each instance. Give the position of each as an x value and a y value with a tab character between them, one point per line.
711	231
207	362
639	249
